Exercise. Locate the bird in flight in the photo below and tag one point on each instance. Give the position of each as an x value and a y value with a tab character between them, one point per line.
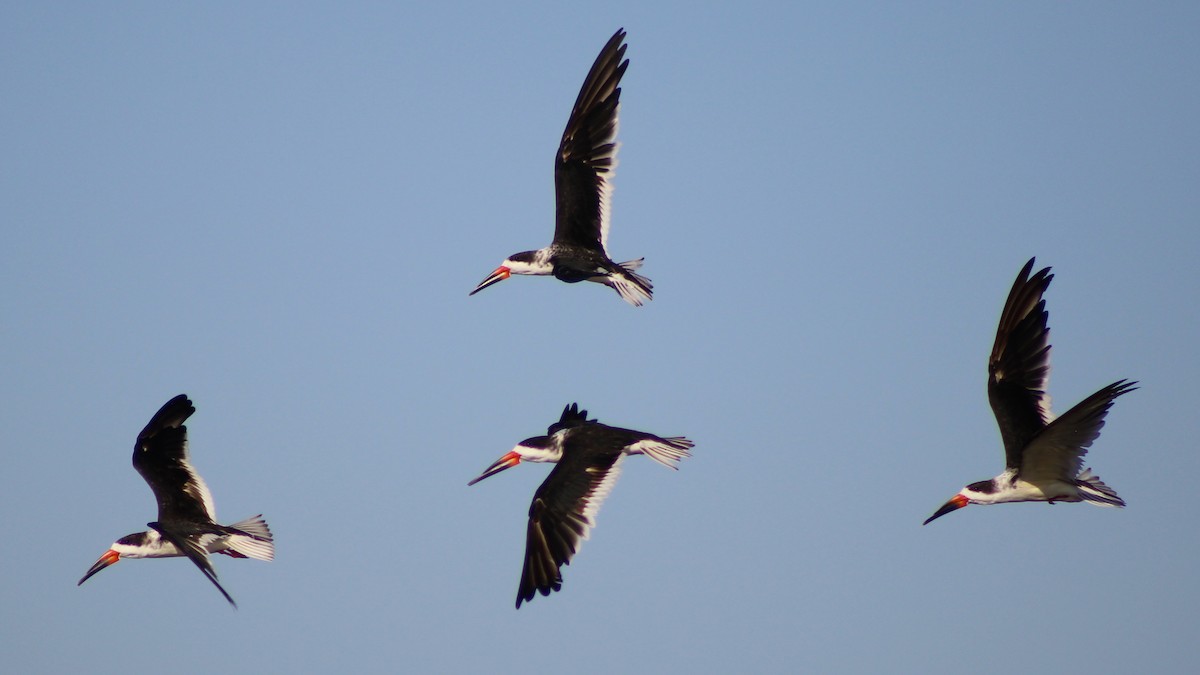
186	524
1043	454
583	173
588	456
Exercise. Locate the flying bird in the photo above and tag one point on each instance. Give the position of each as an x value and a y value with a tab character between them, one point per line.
1043	454
186	524
588	456
583	173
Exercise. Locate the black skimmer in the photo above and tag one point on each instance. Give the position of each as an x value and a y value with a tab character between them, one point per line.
186	524
1043	454
564	507
583	172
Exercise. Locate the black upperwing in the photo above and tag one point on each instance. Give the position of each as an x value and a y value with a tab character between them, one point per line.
1020	364
587	154
562	513
1057	452
161	457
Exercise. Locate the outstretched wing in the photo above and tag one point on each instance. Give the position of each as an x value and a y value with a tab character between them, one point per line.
1057	452
161	457
194	553
562	515
587	154
1020	364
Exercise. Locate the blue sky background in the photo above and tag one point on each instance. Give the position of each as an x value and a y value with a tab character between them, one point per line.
279	209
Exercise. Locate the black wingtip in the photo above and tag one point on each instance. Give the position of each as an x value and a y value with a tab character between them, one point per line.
572	412
1042	277
1124	386
527	593
1115	390
1028	266
172	414
572	416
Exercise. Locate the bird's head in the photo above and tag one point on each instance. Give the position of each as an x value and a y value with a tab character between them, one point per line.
975	493
526	262
125	547
536	449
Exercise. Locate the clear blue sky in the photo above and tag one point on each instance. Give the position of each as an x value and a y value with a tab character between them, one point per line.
279	209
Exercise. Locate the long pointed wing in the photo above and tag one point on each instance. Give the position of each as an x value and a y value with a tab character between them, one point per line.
1020	364
562	514
194	553
161	457
587	154
1057	452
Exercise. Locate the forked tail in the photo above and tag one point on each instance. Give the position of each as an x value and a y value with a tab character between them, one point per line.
1093	490
633	287
666	451
250	538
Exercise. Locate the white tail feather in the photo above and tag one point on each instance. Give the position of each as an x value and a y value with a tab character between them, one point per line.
666	451
257	543
1093	490
632	287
